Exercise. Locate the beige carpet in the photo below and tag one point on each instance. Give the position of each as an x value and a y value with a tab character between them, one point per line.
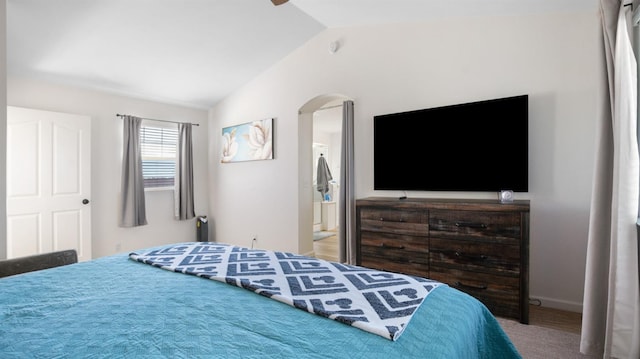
535	342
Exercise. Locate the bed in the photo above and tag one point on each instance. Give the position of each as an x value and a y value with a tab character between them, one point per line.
139	305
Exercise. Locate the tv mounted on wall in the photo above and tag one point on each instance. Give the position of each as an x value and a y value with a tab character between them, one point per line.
477	146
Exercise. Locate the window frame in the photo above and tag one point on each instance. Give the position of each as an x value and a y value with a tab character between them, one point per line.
163	126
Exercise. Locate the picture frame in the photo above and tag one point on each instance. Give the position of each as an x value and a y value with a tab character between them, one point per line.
250	141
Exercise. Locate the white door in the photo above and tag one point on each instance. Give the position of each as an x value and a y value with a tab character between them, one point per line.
48	182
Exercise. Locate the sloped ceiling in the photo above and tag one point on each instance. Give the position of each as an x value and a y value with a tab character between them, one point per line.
196	52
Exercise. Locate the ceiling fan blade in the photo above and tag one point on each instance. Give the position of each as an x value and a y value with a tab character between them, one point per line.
278	2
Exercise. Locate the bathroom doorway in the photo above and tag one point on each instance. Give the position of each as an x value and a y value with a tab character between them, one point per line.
326	149
316	107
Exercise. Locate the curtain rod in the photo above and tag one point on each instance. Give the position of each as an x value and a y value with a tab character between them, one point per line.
153	119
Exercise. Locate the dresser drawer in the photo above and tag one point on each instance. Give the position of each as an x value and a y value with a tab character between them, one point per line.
484	226
393	252
491	258
411	267
394	221
500	294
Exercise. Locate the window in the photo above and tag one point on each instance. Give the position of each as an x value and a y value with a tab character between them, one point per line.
159	146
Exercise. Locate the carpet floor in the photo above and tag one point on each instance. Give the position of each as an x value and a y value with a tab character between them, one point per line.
535	342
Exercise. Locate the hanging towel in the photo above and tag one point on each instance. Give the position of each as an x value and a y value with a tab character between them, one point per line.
323	176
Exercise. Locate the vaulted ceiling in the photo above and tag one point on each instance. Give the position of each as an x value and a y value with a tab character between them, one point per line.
196	52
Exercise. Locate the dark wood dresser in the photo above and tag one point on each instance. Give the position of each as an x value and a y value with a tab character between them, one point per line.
480	247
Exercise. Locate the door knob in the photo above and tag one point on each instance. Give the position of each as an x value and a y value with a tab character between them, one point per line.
85	201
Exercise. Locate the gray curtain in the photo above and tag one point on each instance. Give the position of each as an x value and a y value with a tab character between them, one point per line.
611	305
184	208
133	211
347	205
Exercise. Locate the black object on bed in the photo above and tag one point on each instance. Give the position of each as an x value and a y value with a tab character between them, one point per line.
9	267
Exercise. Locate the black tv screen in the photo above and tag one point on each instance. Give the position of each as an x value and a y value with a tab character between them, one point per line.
478	146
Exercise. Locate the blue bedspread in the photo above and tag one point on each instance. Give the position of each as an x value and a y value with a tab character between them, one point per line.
113	307
375	301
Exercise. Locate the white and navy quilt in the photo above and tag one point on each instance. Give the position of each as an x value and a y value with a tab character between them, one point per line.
375	301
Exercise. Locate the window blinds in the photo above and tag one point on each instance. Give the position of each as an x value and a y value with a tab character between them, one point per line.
159	145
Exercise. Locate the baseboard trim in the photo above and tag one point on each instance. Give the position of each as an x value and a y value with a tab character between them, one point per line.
309	254
558	304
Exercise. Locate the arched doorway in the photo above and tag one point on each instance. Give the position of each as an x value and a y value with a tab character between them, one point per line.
306	165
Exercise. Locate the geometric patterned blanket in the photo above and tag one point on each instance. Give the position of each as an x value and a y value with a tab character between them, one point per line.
375	301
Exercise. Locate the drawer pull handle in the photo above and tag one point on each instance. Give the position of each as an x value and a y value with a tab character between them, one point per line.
471	225
401	220
392	247
461	255
480	287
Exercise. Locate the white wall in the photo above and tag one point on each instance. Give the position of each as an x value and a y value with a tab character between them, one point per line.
393	68
107	237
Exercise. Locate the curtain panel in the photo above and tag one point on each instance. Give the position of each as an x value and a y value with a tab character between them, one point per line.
347	205
133	210
183	192
611	312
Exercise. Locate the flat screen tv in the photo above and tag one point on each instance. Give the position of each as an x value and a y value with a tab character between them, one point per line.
477	146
